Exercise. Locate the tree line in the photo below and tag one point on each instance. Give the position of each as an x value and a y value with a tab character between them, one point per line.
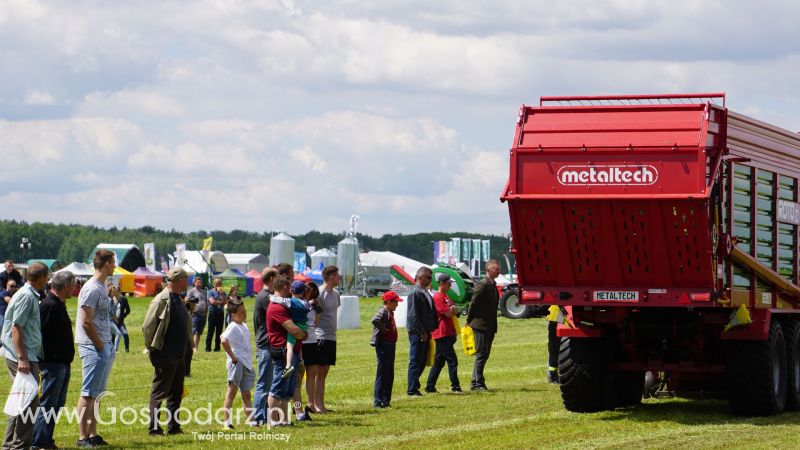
72	242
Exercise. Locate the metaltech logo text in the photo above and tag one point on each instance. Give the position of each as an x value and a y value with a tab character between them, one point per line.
608	175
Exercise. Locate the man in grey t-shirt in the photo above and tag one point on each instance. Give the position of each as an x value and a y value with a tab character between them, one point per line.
200	313
320	357
93	336
94	296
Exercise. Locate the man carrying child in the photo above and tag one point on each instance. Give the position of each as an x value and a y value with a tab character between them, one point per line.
279	326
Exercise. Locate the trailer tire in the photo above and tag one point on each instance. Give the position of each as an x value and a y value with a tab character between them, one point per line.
757	374
587	384
510	308
630	387
792	335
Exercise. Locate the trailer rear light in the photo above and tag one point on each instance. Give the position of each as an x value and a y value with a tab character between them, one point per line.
705	297
531	295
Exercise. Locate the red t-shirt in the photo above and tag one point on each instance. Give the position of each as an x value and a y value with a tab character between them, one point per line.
276	315
442	303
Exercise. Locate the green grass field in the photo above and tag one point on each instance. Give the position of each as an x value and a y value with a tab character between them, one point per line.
521	411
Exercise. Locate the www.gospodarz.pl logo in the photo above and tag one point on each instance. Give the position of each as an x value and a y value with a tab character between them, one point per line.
608	175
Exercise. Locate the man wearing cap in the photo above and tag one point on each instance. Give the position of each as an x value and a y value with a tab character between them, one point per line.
384	339
445	336
482	317
9	289
167	334
420	322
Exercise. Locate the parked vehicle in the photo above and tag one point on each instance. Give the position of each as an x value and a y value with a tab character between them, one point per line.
667	227
511	307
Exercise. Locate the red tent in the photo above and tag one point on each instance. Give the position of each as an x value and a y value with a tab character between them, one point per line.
302	277
145	282
257	283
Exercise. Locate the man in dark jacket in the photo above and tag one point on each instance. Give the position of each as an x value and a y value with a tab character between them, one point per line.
59	351
482	318
420	322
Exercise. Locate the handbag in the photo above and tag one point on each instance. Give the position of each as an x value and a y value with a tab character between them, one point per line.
431	352
468	340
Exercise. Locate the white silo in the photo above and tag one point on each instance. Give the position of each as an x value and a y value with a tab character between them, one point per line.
347	261
281	249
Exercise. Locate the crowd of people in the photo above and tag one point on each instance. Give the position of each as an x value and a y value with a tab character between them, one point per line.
292	320
432	316
294	326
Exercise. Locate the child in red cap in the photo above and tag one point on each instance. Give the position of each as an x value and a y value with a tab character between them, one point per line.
384	339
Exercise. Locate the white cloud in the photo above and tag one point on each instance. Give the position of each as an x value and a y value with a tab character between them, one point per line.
39	98
308	159
296	114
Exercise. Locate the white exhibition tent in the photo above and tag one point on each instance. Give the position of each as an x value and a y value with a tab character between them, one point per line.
78	269
387	259
194	262
245	262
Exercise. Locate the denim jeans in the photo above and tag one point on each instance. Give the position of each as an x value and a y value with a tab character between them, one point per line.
444	353
96	367
55	380
283	388
263	383
123	334
417	354
384	375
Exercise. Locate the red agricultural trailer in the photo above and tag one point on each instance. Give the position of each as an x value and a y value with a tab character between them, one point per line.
666	226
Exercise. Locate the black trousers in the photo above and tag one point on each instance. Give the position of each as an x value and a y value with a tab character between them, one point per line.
444	353
167	386
215	328
483	348
553	344
384	375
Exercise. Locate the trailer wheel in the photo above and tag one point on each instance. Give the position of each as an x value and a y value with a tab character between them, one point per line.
629	387
792	334
509	306
586	383
757	375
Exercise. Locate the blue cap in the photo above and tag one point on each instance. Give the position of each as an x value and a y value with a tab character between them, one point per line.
297	287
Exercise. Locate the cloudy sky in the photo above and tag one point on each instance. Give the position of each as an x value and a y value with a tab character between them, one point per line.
264	115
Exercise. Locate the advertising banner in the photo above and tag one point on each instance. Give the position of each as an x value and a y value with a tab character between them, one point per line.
150	256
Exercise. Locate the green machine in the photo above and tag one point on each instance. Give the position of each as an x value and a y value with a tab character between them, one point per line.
461	290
